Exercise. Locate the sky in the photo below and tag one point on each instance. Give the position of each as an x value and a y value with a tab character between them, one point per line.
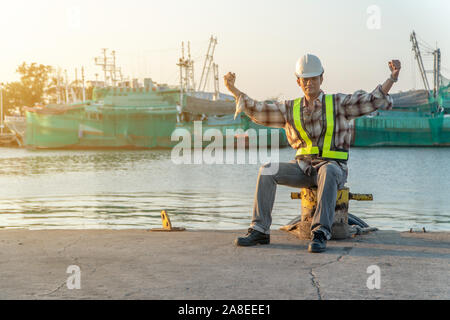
260	40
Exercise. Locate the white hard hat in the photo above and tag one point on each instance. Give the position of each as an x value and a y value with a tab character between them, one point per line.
308	66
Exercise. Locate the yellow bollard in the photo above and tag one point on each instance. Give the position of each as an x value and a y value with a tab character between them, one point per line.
301	225
167	224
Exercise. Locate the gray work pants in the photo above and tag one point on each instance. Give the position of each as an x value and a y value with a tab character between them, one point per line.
329	178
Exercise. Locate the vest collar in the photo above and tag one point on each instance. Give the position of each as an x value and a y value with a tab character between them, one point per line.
316	102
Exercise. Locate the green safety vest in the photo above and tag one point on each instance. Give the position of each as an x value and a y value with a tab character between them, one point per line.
327	150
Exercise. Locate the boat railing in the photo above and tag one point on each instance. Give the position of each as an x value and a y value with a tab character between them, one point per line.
148	109
14	118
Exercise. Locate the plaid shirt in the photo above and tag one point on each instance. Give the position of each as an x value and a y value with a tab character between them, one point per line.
348	107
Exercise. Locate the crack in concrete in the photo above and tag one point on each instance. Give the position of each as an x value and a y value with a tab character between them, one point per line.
128	294
346	253
314	279
62	252
315	283
53	291
93	271
71	244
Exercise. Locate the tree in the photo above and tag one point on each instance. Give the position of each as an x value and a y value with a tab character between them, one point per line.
34	80
30	89
37	86
12	95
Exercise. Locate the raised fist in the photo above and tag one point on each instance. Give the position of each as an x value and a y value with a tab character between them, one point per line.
229	80
395	67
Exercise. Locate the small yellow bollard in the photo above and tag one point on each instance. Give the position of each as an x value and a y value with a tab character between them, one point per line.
167	224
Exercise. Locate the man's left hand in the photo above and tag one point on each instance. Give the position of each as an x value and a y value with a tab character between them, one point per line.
395	67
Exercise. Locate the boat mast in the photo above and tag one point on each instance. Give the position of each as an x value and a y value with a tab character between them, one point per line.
416	50
208	61
184	66
67	87
104	65
204	65
187	82
181	64
190	70
84	87
103	62
109	66
58	84
216	81
437	71
76	85
113	69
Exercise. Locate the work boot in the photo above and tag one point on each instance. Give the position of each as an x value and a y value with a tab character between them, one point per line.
318	243
253	238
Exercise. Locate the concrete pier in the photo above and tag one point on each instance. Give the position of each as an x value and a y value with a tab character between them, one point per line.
137	264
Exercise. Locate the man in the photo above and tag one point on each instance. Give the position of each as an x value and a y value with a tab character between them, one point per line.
317	126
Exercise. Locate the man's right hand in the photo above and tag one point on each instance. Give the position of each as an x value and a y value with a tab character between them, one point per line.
229	80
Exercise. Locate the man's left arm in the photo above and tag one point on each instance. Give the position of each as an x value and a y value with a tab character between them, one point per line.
361	103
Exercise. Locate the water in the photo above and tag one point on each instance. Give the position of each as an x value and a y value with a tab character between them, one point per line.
128	189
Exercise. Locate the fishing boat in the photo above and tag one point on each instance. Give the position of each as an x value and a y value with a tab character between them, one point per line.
17	125
418	117
116	118
11	127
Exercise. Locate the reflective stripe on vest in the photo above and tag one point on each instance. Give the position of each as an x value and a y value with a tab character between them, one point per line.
329	134
298	124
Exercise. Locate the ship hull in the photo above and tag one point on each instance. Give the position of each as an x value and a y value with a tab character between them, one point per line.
402	131
89	130
417	119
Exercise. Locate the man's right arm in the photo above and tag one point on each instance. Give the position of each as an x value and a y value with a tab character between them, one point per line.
269	114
